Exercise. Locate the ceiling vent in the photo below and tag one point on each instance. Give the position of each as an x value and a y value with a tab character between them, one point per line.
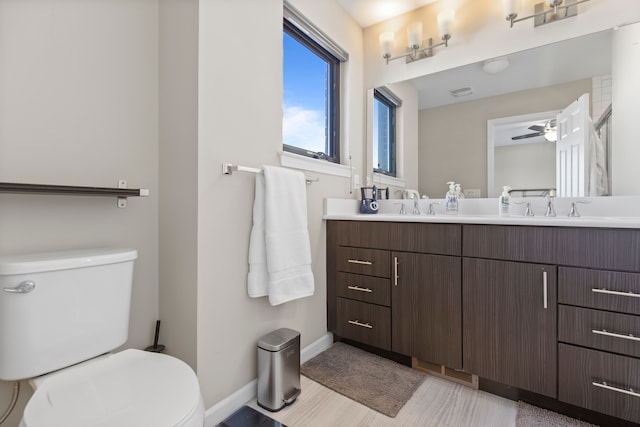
463	91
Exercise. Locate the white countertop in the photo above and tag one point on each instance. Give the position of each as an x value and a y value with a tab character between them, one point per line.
600	212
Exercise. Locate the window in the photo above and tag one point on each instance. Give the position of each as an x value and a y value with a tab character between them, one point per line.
311	89
385	104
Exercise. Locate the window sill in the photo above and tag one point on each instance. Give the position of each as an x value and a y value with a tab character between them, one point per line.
380	178
297	161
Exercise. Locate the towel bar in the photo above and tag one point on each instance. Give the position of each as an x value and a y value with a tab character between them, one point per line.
122	192
228	169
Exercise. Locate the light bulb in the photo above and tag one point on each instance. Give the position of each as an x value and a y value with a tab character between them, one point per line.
511	8
386	43
414	35
445	23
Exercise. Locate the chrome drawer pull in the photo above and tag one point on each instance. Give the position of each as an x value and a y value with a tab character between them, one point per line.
395	271
619	293
356	261
544	289
358	288
364	325
611	334
604	385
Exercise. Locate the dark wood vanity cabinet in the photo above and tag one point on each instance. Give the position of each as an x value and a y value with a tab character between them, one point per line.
509	312
426	308
599	339
397	286
509	306
363	296
551	310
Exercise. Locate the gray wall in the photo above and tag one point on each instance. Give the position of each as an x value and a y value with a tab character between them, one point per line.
626	92
240	122
160	93
79	106
453	139
178	145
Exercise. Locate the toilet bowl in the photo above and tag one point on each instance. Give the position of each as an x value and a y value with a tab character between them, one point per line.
132	388
63	313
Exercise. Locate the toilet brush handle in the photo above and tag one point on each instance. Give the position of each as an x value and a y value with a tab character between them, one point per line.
155	340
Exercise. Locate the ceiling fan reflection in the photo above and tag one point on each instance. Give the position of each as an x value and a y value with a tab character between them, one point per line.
548	130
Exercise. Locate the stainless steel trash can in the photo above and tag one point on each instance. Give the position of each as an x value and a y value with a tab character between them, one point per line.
278	369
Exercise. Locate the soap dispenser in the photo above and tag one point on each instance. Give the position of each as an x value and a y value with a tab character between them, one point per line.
459	192
504	201
451	199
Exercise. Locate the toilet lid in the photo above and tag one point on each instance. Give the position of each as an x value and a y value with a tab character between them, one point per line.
129	388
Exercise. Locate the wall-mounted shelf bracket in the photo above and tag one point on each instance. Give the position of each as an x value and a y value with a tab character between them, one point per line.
122	201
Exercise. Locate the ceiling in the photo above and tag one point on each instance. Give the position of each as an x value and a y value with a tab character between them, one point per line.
369	12
560	62
548	65
556	63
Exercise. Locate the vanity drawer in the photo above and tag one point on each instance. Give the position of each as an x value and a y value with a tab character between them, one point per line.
603	248
375	290
372	262
606	290
600	381
365	323
511	243
442	239
615	332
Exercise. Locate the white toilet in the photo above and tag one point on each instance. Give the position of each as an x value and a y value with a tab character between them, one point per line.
60	315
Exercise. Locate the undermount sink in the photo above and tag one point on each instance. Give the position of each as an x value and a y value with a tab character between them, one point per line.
597	214
582	221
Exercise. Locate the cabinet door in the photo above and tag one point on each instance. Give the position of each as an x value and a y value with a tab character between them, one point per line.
426	307
509	323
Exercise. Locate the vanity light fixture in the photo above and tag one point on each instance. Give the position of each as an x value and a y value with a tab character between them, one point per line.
556	11
416	46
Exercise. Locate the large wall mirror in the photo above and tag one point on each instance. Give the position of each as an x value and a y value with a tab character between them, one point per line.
456	107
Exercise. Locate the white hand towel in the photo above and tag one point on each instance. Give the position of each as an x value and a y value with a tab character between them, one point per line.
279	248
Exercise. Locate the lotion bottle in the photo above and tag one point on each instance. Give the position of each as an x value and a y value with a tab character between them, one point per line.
504	201
451	201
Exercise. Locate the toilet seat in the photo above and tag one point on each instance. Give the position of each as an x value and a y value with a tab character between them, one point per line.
129	388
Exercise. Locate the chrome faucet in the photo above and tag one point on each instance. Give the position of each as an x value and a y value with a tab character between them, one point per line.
431	210
528	211
550	209
573	212
416	206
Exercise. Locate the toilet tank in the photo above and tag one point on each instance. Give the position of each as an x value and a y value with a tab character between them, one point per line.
61	308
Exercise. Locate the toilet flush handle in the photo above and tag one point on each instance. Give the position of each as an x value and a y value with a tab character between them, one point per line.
23	288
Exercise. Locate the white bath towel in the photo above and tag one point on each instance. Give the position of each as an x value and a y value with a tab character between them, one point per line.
280	250
258	278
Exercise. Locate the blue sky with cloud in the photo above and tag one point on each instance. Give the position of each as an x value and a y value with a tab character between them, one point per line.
303	123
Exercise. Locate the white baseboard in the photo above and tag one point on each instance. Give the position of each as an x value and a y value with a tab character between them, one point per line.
316	347
227	406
